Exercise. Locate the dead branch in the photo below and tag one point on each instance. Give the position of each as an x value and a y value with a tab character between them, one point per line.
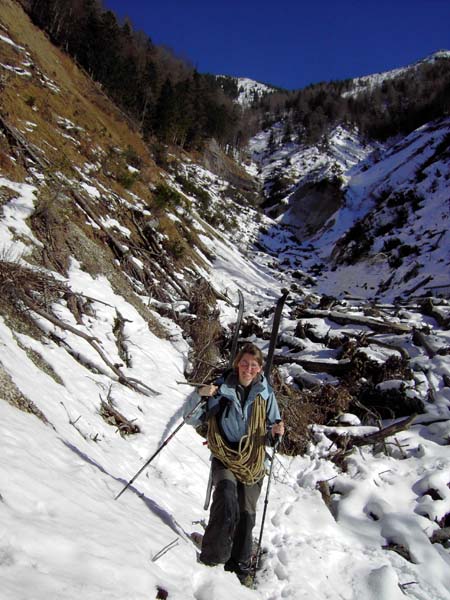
147	237
132	383
18	140
32	282
112	416
118	330
83	203
74	422
167	277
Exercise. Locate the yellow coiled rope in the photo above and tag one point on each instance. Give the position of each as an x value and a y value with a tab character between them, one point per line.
247	462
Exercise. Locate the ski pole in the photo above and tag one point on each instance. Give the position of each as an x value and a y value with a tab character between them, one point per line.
266	502
166	441
191	383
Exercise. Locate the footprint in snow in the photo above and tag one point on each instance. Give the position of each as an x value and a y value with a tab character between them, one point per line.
283	557
281	572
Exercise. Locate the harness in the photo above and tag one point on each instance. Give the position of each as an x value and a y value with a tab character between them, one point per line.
247	462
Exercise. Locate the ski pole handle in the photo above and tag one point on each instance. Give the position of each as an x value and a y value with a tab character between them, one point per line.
277	436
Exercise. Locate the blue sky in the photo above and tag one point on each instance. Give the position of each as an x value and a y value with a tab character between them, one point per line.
291	43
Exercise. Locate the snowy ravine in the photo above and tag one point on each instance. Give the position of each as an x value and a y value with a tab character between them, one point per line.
63	535
387	237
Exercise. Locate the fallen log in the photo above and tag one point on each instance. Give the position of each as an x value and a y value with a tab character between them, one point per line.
315	366
420	339
421	283
440	536
346	441
348	319
382	434
370	340
428	308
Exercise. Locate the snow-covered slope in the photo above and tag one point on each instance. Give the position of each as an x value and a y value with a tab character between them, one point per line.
249	91
370	82
393	222
94	304
342	150
63	534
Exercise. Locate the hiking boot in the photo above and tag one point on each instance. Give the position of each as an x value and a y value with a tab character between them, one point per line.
246	579
197	539
205	562
243	571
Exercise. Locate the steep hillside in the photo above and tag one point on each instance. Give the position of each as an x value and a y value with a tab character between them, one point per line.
97	180
119	271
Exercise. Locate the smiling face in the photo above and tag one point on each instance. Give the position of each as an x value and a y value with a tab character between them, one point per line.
248	368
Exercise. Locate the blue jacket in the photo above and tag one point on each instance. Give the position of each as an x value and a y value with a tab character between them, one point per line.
233	418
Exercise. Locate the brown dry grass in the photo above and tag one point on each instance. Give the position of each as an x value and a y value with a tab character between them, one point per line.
80	100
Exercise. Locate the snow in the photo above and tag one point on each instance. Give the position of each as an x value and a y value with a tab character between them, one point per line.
369	82
250	90
62	534
8	40
14	215
416	165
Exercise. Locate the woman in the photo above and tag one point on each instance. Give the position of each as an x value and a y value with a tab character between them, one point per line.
243	415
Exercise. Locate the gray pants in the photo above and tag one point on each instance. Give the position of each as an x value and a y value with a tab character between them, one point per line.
228	535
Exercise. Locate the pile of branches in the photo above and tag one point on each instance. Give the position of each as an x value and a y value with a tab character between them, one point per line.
205	331
369	400
21	285
302	408
32	290
358	393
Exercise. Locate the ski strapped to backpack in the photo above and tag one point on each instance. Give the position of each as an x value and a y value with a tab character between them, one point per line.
233	352
267	369
274	334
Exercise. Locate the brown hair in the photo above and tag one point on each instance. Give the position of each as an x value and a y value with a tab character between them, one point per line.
249	349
